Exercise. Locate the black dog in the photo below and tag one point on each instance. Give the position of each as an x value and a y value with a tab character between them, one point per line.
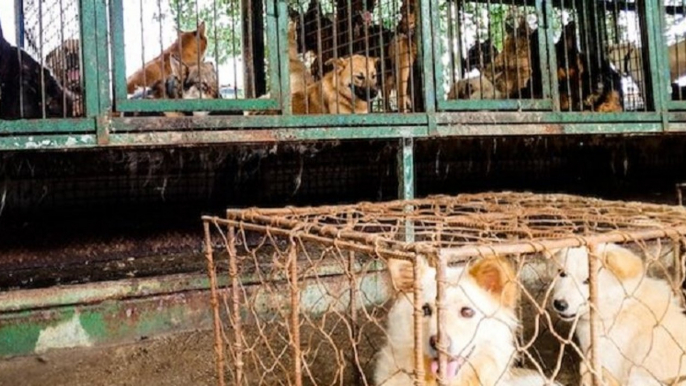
24	84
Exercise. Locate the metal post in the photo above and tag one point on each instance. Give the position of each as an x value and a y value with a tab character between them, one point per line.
442	346
295	312
593	266
418	326
214	301
19	23
235	304
406	180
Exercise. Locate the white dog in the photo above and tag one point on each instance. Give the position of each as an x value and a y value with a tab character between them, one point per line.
479	321
642	326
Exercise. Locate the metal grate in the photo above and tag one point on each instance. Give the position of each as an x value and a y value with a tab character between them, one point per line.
293	285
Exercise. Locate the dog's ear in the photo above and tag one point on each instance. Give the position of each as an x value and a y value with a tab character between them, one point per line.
496	275
402	273
201	29
178	68
337	63
622	262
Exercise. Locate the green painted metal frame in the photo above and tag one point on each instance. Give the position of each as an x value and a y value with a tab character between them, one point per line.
123	104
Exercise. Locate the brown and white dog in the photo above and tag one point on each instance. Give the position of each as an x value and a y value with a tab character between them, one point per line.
189	46
347	89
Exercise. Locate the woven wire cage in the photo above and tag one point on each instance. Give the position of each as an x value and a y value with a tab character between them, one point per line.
301	295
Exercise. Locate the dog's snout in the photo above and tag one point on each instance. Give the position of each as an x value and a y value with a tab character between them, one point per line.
560	305
433	342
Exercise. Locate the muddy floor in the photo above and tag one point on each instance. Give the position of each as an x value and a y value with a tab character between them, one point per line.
180	359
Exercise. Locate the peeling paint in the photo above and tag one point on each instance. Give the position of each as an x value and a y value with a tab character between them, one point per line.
69	333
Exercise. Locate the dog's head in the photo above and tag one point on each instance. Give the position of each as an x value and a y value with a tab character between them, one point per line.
619	272
408	17
356	76
192	44
479	313
479	87
65	62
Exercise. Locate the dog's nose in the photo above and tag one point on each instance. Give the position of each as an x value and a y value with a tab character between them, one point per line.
433	342
560	305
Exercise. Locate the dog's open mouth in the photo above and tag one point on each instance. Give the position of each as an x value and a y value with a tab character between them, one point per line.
566	317
453	366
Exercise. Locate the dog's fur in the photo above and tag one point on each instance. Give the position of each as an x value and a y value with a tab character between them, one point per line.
299	75
347	89
65	63
189	46
402	52
24	82
478	87
513	65
479	56
480	321
184	82
677	60
642	334
583	83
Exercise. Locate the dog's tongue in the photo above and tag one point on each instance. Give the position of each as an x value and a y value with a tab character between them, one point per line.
73	75
453	367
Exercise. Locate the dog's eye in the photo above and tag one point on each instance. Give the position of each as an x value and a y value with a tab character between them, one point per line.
585	282
563	274
427	309
467	312
359	77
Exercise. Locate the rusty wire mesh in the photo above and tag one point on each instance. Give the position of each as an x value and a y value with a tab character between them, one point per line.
301	295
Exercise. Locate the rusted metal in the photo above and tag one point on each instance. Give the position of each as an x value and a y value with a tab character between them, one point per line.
214	302
593	268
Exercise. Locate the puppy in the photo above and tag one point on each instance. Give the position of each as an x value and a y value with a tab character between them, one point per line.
479	321
402	52
188	47
347	89
24	84
642	334
478	87
65	63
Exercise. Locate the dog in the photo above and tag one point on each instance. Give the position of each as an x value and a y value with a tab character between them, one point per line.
478	87
479	321
189	47
585	84
347	89
512	66
24	84
402	53
299	75
642	334
677	60
65	63
479	56
626	59
184	82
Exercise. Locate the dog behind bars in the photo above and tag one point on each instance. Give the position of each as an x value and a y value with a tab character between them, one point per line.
347	89
24	84
189	46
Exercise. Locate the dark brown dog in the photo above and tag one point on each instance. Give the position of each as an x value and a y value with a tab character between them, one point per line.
65	63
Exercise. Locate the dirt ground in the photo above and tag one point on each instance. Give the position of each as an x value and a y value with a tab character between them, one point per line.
176	360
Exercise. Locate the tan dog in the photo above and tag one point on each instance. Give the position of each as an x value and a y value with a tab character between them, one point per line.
65	63
513	65
402	52
188	46
478	87
300	76
347	89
